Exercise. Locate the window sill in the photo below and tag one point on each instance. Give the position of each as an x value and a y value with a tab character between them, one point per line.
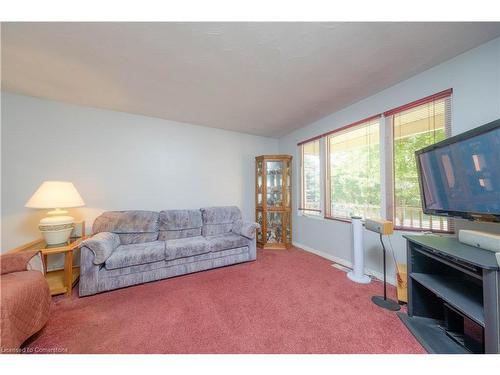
424	230
396	229
310	216
338	219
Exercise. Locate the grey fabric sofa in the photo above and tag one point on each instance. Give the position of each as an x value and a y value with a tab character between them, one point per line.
134	247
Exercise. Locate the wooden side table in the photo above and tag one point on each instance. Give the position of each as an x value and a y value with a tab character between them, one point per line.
60	281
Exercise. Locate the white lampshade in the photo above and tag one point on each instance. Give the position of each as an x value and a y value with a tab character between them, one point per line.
55	194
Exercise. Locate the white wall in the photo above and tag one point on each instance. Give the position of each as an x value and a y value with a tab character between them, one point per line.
475	79
118	161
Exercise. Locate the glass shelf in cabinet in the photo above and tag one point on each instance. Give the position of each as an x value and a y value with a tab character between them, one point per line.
274	227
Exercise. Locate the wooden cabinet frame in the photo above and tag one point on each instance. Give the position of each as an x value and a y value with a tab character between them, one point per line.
284	209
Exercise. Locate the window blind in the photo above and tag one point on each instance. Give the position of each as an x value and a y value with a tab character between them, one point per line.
414	127
353	171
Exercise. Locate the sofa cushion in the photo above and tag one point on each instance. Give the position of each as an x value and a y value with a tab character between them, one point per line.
219	220
132	226
186	247
179	224
135	254
226	241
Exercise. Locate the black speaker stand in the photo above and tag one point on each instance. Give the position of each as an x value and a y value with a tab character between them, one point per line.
385	302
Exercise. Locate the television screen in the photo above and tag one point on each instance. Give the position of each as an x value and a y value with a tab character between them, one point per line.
460	176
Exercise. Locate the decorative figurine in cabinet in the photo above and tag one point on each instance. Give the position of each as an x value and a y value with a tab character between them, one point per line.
273	189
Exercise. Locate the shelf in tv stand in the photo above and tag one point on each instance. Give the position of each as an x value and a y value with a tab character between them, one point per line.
431	335
464	297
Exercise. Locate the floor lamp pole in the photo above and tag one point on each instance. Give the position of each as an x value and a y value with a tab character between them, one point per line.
385	272
385	302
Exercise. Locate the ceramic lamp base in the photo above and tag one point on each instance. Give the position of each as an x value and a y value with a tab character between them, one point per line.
56	229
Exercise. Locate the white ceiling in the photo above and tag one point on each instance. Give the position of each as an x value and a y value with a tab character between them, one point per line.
259	78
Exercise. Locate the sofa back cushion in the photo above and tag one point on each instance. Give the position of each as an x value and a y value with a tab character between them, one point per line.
219	220
131	226
175	224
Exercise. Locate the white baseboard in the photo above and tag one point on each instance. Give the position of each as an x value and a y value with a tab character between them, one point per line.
345	262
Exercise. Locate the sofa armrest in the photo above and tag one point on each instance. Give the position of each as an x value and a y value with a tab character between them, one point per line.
245	229
21	261
89	272
102	245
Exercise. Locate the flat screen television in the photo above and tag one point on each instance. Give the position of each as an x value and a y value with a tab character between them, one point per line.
460	176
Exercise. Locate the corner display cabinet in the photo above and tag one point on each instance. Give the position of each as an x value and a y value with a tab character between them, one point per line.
273	179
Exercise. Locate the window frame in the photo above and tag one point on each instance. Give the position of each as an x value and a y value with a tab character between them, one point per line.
302	210
391	184
327	197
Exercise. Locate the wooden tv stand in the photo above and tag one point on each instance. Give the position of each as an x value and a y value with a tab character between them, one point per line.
445	274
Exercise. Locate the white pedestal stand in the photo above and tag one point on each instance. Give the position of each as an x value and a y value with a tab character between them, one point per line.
357	274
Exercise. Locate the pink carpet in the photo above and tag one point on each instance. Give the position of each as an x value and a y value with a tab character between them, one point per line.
285	302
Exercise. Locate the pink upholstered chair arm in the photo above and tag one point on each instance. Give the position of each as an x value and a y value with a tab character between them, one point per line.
21	261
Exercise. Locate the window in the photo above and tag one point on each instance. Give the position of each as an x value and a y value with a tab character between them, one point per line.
413	129
349	171
353	171
310	178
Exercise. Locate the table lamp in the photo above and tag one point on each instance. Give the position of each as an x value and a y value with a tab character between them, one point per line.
57	226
